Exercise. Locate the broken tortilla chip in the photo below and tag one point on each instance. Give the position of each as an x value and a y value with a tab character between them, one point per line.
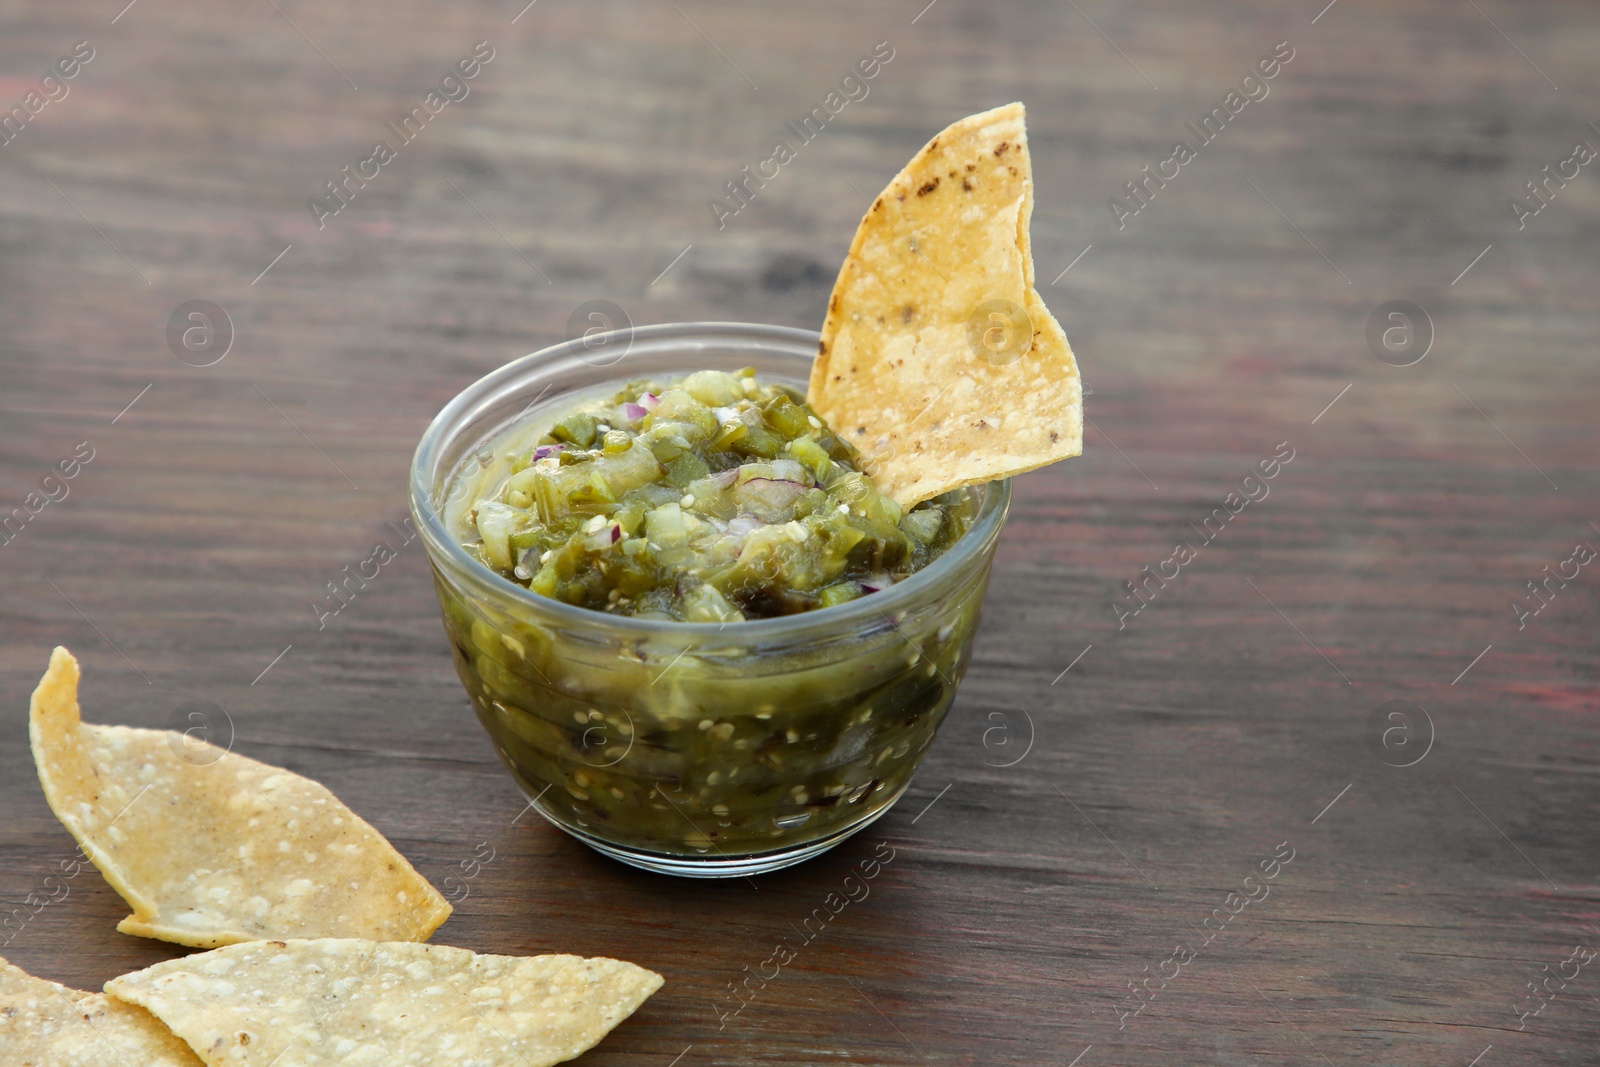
397	1004
43	1024
939	361
211	848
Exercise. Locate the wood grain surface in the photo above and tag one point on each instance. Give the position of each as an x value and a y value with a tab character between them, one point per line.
1071	827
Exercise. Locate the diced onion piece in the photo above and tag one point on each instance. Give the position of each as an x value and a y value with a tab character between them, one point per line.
603	538
496	523
874	583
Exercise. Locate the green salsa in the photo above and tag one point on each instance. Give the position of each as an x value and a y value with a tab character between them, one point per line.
715	497
710	498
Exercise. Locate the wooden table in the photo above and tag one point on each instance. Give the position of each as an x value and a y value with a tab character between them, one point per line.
1096	792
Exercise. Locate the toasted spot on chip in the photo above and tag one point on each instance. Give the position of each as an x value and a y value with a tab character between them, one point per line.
45	1024
330	1001
211	848
934	324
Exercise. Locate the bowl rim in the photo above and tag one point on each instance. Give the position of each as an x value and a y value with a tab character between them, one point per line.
862	615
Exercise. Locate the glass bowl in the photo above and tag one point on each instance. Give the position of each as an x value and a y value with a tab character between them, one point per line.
694	749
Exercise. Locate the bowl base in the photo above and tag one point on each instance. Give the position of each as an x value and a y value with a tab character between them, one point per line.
714	865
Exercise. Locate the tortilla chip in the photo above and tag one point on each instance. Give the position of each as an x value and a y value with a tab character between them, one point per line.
361	1003
925	363
43	1024
210	848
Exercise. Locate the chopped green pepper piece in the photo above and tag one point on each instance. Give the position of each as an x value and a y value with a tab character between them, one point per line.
576	429
839	594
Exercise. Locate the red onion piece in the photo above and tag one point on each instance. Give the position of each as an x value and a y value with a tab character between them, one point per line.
603	538
875	583
546	450
634	412
649	401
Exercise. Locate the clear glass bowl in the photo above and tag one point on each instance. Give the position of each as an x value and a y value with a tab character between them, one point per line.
694	749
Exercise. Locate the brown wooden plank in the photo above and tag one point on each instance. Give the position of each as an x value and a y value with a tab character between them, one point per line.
1171	758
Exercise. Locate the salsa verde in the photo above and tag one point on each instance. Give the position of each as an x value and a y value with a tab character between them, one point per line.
715	497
